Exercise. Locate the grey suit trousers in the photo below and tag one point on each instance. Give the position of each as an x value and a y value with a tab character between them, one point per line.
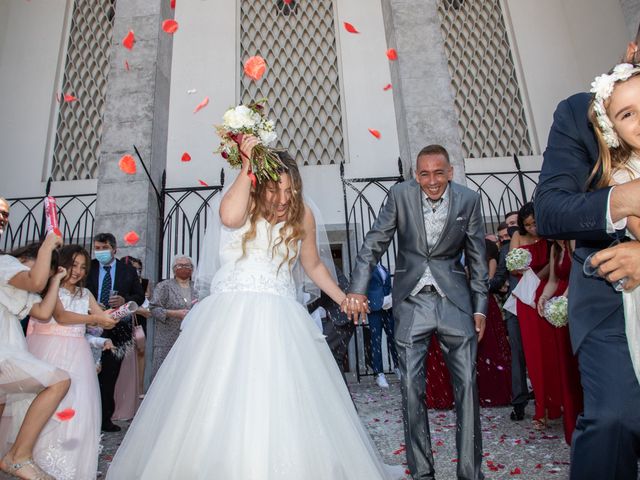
432	313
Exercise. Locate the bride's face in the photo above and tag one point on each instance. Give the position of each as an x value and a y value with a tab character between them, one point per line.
278	197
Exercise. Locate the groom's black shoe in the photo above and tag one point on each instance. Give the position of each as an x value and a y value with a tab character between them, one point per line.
110	427
518	413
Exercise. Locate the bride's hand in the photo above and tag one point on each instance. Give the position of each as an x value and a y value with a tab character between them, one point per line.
246	149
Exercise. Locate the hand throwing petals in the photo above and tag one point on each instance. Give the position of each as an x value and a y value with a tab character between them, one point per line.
202	104
255	67
127	164
129	40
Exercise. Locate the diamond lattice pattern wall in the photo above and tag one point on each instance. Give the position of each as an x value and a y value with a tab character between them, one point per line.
297	40
488	102
79	130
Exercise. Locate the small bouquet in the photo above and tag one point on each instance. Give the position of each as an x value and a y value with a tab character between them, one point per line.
555	311
249	119
518	259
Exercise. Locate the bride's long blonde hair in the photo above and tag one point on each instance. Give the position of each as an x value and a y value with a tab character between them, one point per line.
292	230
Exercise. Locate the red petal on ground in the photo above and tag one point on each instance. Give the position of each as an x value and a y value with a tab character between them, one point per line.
185	157
127	164
131	238
375	133
350	28
170	26
129	40
201	105
392	54
66	414
516	471
255	67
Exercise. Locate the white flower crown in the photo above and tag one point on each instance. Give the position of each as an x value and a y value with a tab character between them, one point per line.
602	88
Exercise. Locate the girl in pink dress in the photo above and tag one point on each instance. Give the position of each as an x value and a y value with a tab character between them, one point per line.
70	452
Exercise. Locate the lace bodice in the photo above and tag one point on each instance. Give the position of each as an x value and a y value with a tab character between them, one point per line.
261	269
77	303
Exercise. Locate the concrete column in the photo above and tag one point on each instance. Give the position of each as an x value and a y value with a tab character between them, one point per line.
422	91
631	12
136	113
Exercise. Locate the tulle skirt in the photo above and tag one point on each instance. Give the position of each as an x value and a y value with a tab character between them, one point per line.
250	390
70	451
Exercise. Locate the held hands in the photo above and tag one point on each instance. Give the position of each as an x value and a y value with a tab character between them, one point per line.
180	314
618	262
108	345
481	323
356	306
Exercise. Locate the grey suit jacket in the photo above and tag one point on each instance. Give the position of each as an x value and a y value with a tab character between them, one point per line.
463	232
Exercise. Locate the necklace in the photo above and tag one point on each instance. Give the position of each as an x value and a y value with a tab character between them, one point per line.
434	204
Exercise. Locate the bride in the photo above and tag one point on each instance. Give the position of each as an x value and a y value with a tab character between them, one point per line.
250	389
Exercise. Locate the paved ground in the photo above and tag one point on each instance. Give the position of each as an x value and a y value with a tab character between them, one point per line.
511	449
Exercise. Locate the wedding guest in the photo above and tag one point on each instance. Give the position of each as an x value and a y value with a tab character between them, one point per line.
112	283
537	334
567	364
61	341
380	318
30	389
4	214
171	301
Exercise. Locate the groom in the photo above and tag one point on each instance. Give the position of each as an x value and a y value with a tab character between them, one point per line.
436	221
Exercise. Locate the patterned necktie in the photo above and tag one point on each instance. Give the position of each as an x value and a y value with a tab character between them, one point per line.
106	287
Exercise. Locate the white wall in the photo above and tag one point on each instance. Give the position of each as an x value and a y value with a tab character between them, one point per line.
32	36
205	58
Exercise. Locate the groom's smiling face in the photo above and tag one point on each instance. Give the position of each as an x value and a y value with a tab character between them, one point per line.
433	173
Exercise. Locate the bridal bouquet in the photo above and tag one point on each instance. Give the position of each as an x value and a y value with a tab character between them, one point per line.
250	120
518	259
555	311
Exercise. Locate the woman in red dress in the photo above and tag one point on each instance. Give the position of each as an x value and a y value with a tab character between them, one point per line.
538	336
558	284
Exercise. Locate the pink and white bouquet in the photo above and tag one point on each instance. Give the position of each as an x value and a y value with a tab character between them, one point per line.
518	259
250	120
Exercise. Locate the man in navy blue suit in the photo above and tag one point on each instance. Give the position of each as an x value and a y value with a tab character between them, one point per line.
606	442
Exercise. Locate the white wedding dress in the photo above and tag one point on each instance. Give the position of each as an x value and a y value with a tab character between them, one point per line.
250	390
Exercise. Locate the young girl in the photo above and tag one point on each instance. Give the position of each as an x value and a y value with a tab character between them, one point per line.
615	115
30	389
71	450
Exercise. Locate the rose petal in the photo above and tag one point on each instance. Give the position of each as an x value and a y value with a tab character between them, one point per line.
172	4
350	28
201	105
126	65
392	54
516	471
69	98
185	157
288	2
203	183
387	87
129	40
66	414
255	67
131	238
375	133
170	26
127	164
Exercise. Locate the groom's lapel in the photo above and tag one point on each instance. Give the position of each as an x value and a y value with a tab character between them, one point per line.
415	205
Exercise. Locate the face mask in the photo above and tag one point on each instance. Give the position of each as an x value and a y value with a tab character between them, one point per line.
512	230
104	256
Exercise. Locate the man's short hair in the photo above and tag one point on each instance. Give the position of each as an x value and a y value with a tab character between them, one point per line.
508	214
106	238
502	226
434	150
2	199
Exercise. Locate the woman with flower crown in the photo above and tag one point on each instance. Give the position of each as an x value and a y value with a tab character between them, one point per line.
250	389
615	114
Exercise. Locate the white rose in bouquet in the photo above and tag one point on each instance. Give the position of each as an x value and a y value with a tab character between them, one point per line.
556	311
240	117
518	259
